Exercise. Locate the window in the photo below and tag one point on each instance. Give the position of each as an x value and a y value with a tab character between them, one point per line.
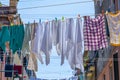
116	69
116	4
111	73
119	4
104	77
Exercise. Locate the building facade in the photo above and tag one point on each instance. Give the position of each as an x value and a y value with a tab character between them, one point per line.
108	62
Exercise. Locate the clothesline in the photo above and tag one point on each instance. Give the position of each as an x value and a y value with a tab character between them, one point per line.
47	20
54	5
23	1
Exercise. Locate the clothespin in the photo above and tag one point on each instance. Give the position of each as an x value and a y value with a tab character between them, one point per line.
39	20
34	23
28	23
55	19
11	24
20	21
78	15
62	18
85	17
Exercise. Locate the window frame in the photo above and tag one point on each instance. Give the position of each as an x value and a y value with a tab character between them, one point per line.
116	5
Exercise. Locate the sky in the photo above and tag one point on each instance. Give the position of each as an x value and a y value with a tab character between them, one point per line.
29	15
52	12
53	70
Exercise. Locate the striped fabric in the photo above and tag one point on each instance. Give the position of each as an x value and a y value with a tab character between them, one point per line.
95	37
114	28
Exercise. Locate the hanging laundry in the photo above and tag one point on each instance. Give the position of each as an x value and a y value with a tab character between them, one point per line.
114	28
33	29
27	38
58	36
17	60
25	75
64	41
54	31
8	59
1	54
27	61
94	33
33	48
37	41
79	45
24	61
33	32
62	45
3	68
67	38
16	37
31	65
34	60
107	29
18	69
71	42
70	34
75	57
4	37
9	70
47	42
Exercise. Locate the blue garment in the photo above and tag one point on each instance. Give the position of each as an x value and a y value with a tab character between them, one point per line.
4	37
10	69
16	37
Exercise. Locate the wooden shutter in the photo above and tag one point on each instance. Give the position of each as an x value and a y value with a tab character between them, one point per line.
116	66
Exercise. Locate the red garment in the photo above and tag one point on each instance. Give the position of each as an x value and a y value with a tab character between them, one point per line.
18	68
